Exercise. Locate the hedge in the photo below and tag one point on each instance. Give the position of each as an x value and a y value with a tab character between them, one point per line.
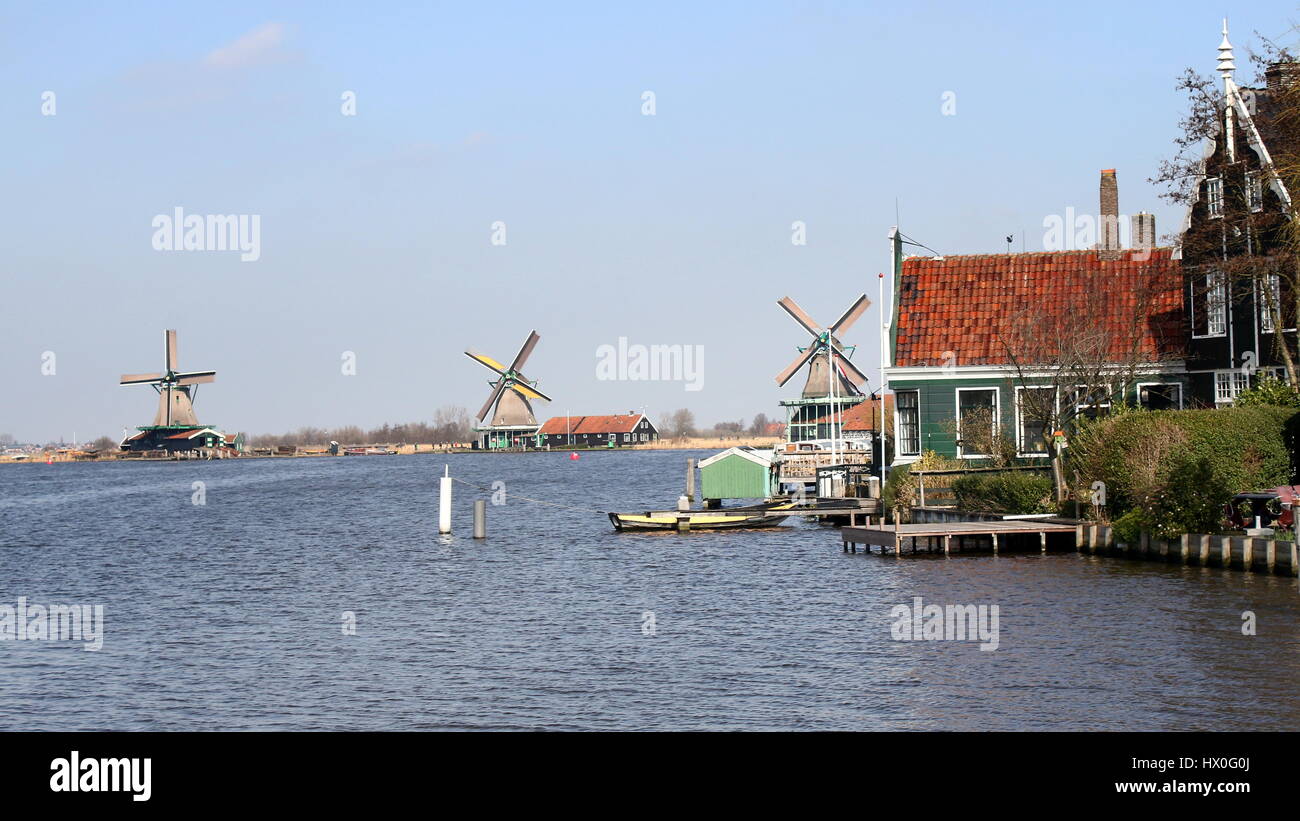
1171	472
1013	491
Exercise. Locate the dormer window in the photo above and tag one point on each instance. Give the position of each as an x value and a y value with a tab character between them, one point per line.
1214	196
1254	191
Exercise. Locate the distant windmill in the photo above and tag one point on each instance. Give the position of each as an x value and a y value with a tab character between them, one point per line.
511	390
175	401
818	354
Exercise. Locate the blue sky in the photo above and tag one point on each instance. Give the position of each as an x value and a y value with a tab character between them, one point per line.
665	229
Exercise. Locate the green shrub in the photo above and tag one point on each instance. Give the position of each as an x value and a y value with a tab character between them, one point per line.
1178	468
1013	491
1128	528
1269	391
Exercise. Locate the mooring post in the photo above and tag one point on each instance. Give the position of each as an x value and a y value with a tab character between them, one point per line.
480	518
947	543
995	544
690	479
1042	540
444	501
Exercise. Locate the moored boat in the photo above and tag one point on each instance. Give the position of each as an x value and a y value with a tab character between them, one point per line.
765	515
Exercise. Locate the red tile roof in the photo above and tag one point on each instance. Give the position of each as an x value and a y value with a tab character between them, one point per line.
621	423
966	304
561	424
618	423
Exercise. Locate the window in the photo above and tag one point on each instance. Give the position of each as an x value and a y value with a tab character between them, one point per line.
1269	288
1254	191
1227	384
1160	395
1209	305
907	409
1214	196
1090	402
1035	408
977	421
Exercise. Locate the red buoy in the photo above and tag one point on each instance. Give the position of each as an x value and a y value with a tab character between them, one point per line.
573	457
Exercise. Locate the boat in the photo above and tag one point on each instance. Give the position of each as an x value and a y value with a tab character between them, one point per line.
768	514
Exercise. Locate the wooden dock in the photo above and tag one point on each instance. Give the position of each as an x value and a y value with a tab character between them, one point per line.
945	537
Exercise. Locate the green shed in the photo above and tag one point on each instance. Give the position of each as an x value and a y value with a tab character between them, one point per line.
737	473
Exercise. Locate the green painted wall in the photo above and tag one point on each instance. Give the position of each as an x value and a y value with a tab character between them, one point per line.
734	477
937	405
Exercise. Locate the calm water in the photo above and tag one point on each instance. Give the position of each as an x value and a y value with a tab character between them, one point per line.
229	615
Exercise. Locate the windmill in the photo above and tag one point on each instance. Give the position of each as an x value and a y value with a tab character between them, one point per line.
511	391
175	400
825	346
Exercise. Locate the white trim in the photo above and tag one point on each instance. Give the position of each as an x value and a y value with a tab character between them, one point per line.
1235	377
1227	319
898	428
763	457
997	421
1056	410
926	373
1212	184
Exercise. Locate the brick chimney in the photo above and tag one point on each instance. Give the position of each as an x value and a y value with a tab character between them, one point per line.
1108	230
1144	231
1279	76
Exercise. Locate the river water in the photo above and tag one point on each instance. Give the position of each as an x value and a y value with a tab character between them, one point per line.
231	614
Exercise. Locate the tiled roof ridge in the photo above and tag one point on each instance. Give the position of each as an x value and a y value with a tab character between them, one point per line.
1022	254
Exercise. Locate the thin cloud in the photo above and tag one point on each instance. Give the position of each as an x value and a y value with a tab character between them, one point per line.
260	45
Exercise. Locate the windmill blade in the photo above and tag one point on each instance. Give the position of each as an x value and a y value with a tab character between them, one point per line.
196	378
854	375
499	389
799	315
171	350
525	352
856	310
799	362
487	361
140	378
528	391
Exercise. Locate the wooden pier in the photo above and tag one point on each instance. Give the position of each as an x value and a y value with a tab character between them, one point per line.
945	537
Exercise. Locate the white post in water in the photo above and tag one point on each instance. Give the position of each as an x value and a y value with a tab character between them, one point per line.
444	501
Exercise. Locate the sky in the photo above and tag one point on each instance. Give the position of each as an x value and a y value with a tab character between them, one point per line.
380	231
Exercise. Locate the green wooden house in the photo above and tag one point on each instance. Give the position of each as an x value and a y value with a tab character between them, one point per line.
954	364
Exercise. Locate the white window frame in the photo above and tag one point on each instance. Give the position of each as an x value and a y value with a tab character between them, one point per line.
1236	383
997	418
1082	389
1261	304
1020	430
1216	304
1214	197
1178	385
898	427
1254	191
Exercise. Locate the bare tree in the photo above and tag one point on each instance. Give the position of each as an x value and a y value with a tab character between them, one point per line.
1248	250
1083	359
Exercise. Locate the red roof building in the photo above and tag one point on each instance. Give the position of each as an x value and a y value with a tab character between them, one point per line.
597	431
1084	330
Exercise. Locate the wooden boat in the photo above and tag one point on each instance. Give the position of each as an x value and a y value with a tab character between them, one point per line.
768	514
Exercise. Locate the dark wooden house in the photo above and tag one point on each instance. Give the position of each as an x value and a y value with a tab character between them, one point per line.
618	430
1240	316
